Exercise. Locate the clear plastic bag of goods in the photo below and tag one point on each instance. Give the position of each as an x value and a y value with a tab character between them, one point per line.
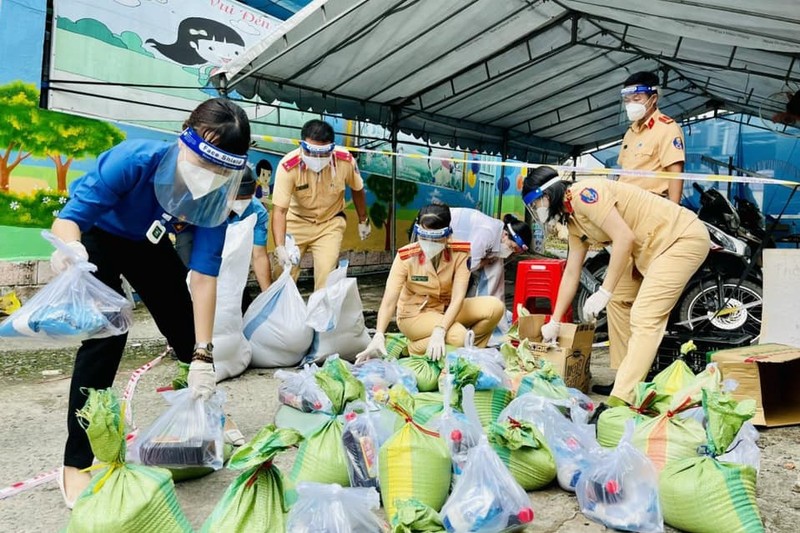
489	361
301	391
361	444
381	375
331	508
573	446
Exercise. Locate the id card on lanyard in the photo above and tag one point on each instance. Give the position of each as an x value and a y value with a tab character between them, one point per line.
157	229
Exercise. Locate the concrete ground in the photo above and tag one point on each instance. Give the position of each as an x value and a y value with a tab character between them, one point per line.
34	382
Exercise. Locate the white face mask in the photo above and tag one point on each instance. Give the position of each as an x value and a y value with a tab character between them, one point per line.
316	164
431	248
635	111
505	250
200	181
542	214
239	206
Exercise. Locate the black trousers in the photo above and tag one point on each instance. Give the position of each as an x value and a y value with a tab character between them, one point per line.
159	277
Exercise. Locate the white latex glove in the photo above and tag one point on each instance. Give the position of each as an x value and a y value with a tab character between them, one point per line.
375	348
550	332
436	346
283	257
595	304
202	379
59	261
364	230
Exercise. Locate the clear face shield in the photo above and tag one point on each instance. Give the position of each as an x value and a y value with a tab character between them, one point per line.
317	156
635	101
432	241
196	182
534	203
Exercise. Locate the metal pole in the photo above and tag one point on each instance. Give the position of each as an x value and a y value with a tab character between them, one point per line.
395	117
504	157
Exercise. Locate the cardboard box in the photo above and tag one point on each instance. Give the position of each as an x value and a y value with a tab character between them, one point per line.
572	355
769	374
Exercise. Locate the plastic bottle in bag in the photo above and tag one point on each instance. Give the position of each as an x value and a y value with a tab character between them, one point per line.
360	441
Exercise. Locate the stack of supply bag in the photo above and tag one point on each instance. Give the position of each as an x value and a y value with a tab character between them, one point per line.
187	438
379	375
704	494
321	457
336	315
301	391
74	306
122	497
255	501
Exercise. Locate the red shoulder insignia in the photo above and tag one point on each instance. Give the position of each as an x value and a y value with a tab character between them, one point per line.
650	123
665	119
459	246
292	162
409	250
344	155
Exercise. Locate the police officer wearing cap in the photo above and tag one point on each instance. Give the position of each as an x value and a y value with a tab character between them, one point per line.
308	200
427	288
118	217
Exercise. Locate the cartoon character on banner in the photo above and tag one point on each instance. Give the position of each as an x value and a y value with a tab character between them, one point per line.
205	44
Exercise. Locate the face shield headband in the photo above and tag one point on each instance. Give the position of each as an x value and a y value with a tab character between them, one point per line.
316	150
432	234
638	89
516	238
538	192
211	153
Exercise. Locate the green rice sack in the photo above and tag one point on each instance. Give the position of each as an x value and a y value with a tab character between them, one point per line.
704	495
255	501
414	462
611	423
396	345
426	371
490	403
413	516
523	450
321	457
668	437
673	378
122	497
545	382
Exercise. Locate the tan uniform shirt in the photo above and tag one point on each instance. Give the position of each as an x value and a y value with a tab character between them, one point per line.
423	288
654	145
313	197
656	222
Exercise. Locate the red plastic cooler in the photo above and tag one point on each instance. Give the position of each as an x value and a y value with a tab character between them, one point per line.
537	284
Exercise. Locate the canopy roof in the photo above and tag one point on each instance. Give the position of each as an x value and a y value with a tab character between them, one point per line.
535	79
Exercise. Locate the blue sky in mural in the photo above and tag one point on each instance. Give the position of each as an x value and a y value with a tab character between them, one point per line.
24	19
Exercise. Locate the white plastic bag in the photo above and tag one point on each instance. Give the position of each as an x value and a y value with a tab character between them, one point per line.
275	325
336	314
489	360
620	489
232	352
74	306
186	437
744	450
459	433
361	444
380	375
301	391
573	446
486	498
322	508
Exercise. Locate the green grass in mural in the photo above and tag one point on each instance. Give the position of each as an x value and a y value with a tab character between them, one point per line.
45	174
23	244
30	210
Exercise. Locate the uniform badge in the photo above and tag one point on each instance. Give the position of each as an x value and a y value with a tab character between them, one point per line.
589	196
419	278
677	143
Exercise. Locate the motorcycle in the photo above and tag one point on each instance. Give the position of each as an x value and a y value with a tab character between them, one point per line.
724	296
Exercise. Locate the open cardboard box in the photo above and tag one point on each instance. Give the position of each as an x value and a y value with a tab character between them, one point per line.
571	357
768	373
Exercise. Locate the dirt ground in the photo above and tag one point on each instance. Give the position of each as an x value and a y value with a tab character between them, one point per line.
34	382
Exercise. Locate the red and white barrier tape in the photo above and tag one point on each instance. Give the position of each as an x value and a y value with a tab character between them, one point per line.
127	395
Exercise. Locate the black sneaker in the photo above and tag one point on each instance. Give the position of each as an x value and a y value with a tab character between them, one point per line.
603	390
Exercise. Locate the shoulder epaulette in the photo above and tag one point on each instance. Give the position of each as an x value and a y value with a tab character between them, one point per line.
665	119
459	246
409	250
344	155
292	162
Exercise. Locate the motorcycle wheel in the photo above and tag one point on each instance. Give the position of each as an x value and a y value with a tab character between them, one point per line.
702	300
597	266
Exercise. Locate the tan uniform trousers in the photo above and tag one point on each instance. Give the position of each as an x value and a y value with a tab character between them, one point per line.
480	314
639	311
324	241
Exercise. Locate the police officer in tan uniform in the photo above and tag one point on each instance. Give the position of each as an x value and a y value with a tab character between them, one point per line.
653	142
427	287
666	242
308	200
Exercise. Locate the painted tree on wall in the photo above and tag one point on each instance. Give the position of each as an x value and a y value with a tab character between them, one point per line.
28	130
381	212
